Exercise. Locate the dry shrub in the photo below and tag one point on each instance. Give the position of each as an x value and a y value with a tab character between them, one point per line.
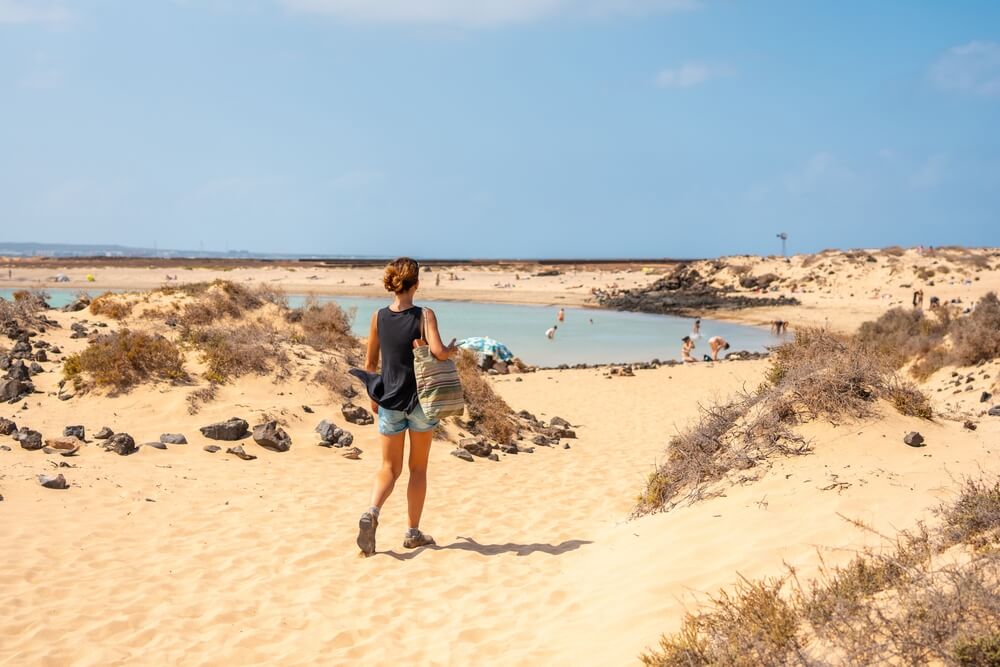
230	351
335	380
908	399
491	415
109	304
199	397
23	312
753	625
123	359
223	298
325	326
976	337
924	272
903	334
893	251
899	605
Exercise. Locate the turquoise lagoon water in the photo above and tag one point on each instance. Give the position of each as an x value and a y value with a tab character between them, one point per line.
588	336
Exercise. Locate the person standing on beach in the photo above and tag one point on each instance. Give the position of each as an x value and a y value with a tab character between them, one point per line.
716	344
395	330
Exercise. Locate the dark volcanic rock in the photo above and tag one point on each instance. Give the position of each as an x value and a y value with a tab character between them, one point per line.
356	414
307	409
120	443
985	396
271	436
232	429
56	482
329	432
994	411
970	425
211	449
104	433
30	440
155	444
75	431
475	446
352	453
173	439
913	439
462	454
76	305
559	421
12	390
7	427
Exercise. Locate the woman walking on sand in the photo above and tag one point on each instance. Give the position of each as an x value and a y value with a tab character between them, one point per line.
395	331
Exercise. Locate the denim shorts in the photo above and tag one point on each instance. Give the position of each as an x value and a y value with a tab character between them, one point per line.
394	422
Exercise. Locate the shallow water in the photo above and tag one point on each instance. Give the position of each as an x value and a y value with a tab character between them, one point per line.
588	336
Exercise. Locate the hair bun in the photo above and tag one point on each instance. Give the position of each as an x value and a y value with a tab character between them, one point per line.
401	275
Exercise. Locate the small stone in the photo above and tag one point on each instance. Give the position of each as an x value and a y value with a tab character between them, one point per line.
509	449
121	444
356	414
173	439
565	445
75	431
231	429
475	446
67	446
104	433
240	452
7	427
544	440
307	409
328	432
462	454
994	411
353	453
985	396
50	482
211	449
345	440
29	439
493	457
970	425
914	439
271	436
559	421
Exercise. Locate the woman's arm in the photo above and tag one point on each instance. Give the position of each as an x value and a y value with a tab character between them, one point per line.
438	349
371	359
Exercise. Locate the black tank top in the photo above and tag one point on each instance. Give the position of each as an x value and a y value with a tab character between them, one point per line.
395	388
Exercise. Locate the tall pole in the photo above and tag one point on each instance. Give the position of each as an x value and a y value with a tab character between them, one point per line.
784	238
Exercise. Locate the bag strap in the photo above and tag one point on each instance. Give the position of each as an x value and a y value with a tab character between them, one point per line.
423	326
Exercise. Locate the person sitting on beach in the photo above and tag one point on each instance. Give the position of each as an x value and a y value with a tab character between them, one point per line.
395	330
550	333
686	348
716	344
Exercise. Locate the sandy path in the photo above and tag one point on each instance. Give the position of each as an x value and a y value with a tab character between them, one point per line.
254	562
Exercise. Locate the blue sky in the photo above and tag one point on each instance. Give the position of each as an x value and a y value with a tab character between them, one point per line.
640	128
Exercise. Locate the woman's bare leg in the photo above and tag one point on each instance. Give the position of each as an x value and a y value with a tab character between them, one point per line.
392	466
416	491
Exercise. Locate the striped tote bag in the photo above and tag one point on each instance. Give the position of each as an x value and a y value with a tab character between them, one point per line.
438	387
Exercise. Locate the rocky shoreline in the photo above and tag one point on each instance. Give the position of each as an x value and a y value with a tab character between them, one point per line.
685	291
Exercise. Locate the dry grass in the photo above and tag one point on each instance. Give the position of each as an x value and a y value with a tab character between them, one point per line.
914	603
222	298
114	306
901	335
24	310
124	359
232	351
335	380
199	397
976	337
491	415
818	375
324	326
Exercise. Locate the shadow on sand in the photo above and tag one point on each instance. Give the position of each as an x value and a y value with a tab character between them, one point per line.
469	544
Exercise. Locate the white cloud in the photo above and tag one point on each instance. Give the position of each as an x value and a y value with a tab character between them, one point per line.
970	68
689	74
479	12
22	12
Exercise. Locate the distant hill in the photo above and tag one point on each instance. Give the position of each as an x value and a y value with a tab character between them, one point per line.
12	249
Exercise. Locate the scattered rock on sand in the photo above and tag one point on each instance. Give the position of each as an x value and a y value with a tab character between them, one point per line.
211	449
357	414
985	396
30	440
50	482
155	444
493	457
509	449
271	436
7	427
328	432
232	429
12	389
239	451
914	439
120	443
353	453
75	432
970	425
307	409
173	439
559	421
67	445
544	440
994	411
475	446
104	433
462	454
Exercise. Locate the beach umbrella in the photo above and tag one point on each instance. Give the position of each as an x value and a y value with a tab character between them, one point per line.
487	345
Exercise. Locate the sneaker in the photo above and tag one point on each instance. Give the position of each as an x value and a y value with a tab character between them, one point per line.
418	539
366	533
